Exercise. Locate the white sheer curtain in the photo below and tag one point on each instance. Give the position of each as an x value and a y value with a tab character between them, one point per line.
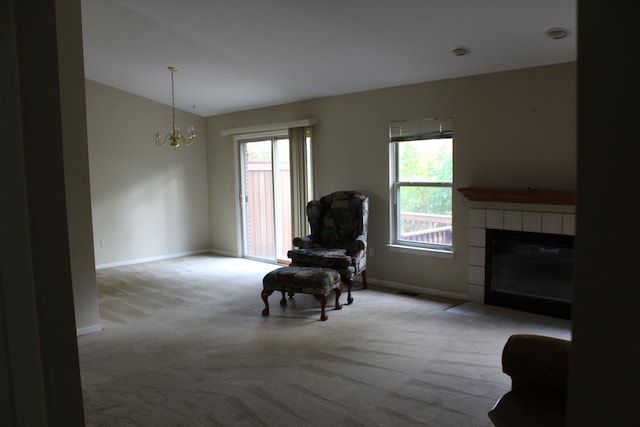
301	178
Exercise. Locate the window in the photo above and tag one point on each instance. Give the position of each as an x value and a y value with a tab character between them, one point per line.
421	160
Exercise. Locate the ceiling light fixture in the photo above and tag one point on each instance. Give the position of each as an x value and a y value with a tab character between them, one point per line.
460	51
557	33
175	137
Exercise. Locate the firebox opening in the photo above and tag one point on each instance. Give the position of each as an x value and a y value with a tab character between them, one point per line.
529	271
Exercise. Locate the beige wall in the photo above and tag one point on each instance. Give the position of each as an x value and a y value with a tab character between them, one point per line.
148	201
76	170
511	129
514	129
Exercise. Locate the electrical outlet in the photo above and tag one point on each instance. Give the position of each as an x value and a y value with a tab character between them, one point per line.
371	251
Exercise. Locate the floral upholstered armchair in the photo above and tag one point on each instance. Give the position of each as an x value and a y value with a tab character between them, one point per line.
338	238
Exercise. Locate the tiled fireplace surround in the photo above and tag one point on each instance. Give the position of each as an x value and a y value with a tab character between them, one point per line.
503	219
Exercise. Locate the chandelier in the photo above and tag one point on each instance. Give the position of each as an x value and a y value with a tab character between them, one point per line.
175	138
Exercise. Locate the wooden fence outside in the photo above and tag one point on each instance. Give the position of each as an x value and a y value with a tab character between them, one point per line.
260	212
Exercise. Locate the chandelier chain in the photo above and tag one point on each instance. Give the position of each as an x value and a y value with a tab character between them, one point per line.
173	106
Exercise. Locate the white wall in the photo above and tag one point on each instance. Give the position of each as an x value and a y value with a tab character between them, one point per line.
148	201
511	129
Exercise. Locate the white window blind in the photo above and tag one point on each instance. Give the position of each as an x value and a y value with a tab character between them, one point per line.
415	130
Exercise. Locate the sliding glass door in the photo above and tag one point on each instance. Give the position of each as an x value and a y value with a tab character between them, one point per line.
265	198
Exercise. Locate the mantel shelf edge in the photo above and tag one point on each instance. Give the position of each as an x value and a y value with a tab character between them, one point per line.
520	195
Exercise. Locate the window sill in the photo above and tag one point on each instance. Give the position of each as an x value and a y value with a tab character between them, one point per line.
438	253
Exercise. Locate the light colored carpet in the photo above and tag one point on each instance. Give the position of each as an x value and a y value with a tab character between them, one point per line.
184	344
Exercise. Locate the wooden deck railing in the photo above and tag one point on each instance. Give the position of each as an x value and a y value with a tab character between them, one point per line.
427	228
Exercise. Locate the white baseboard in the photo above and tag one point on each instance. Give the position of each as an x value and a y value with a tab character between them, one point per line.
416	289
154	258
225	253
88	329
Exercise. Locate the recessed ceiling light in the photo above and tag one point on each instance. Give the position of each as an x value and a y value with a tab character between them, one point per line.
557	33
460	51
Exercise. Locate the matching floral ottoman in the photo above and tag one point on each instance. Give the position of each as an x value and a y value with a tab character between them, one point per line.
316	281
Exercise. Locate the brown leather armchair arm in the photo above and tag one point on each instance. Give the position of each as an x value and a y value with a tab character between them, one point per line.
536	359
538	367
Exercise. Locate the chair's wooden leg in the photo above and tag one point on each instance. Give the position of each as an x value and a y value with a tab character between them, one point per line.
323	303
338	291
349	283
265	297
283	301
364	278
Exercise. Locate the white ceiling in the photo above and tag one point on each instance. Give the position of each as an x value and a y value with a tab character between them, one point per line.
234	55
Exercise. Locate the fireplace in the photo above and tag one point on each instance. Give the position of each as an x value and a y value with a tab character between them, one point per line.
518	210
529	271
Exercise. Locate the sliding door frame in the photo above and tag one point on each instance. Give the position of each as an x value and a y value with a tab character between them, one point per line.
240	141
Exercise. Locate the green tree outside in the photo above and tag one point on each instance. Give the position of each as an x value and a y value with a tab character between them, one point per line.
426	161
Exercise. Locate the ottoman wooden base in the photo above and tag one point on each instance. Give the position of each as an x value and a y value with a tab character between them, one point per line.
318	282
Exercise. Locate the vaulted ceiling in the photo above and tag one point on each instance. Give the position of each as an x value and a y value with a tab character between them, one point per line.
239	54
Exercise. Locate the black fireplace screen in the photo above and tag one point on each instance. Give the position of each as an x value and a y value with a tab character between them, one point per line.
529	271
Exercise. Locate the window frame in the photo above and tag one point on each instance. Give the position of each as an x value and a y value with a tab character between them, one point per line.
395	185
